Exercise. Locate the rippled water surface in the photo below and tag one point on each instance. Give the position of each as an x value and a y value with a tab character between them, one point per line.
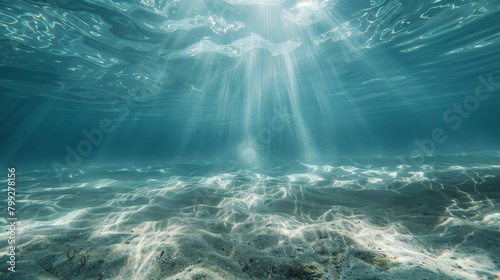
342	77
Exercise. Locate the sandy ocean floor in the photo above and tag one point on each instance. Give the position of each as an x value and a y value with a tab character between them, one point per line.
359	219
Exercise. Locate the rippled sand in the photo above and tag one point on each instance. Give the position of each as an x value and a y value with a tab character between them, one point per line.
360	219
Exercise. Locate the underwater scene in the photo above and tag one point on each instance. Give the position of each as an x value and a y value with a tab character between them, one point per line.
250	139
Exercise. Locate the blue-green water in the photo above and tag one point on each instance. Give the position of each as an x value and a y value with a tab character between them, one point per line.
257	114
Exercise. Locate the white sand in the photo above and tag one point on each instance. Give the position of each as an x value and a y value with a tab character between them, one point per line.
294	221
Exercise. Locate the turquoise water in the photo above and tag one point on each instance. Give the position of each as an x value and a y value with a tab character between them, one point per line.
307	128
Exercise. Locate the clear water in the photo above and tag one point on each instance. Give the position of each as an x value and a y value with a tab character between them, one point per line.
251	139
